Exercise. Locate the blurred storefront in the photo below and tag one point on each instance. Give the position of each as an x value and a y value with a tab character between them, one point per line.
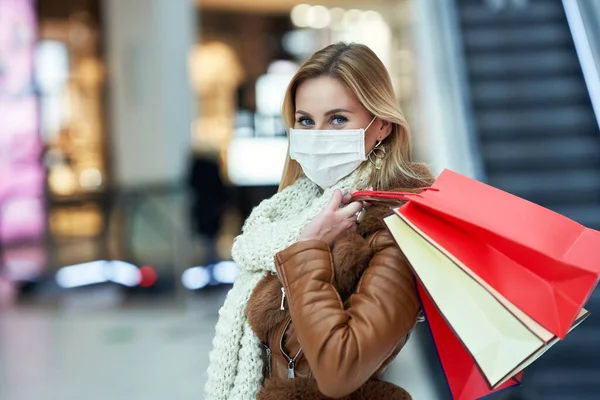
55	184
151	142
71	83
53	190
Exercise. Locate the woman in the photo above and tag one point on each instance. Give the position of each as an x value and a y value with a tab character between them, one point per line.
324	302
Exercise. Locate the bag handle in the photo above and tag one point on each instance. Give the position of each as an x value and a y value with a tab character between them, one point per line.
397	196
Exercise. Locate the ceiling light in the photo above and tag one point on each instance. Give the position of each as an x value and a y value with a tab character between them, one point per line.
299	15
351	17
337	16
319	17
371	16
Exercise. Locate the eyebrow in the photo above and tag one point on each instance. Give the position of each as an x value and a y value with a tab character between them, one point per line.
334	111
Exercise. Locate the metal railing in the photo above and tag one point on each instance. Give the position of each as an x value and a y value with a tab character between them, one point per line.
584	21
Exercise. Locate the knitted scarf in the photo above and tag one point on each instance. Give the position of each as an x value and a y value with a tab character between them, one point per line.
235	370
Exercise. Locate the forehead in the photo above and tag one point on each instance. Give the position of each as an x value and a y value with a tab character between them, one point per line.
323	94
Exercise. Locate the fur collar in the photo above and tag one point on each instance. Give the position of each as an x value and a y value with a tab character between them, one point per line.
306	389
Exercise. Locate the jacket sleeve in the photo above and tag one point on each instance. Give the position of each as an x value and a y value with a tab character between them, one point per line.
346	346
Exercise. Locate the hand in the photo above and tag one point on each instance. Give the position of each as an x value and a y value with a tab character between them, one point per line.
336	218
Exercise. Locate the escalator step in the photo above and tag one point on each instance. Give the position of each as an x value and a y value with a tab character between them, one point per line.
500	38
536	122
477	12
532	63
529	92
551	188
561	383
553	153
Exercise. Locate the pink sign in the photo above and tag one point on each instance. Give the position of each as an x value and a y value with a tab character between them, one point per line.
22	215
17	41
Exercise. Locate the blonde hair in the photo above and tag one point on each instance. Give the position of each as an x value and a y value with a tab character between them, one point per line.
357	66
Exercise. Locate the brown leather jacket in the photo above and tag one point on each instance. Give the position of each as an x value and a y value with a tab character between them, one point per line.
351	307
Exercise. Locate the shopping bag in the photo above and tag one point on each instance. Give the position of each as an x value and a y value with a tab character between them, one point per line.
554	258
464	379
526	265
490	328
476	258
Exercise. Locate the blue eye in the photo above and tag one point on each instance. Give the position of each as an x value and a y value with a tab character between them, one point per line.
305	121
338	120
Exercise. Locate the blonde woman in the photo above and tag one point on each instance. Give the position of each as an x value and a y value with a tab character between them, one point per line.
324	302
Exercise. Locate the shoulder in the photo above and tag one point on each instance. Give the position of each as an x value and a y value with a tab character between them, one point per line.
413	176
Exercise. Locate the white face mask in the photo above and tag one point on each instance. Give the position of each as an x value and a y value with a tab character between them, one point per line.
326	156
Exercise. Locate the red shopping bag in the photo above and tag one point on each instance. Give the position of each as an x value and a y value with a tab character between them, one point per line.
500	339
537	263
465	381
554	261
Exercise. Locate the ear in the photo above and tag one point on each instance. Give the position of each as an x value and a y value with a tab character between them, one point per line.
384	129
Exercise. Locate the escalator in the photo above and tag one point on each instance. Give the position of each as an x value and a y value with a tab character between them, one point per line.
538	138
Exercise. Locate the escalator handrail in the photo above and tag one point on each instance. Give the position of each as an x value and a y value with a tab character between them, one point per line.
586	44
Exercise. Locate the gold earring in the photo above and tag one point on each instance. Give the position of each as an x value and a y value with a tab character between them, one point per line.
377	155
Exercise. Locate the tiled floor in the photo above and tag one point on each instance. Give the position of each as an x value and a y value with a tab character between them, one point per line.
146	352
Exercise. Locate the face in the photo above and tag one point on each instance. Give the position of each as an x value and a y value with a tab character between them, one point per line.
326	103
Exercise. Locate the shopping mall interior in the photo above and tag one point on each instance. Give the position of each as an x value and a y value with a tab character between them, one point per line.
136	137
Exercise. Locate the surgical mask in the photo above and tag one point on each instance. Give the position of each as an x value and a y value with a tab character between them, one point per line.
327	156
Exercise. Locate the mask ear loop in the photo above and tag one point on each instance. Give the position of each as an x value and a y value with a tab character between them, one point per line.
371	123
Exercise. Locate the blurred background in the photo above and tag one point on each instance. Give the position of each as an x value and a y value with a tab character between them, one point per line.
137	135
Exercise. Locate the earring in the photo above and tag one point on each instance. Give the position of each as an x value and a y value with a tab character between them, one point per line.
377	155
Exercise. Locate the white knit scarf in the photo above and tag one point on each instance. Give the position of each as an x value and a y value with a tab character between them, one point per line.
235	370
